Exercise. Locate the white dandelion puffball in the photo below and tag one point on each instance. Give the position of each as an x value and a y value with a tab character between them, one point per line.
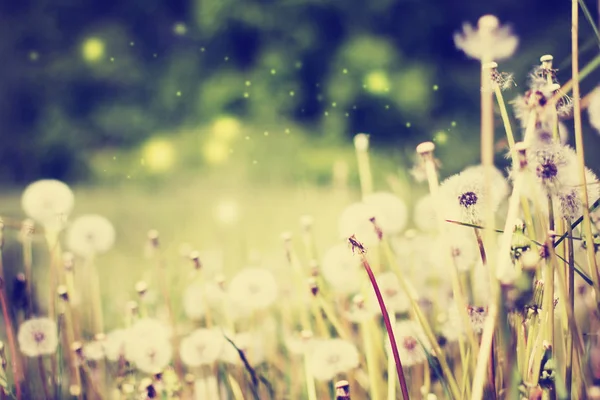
193	301
94	350
341	269
38	337
488	41
569	204
331	357
500	186
356	220
254	288
464	197
114	344
463	250
90	234
299	345
594	109
151	353
48	202
391	213
411	341
201	347
554	166
144	328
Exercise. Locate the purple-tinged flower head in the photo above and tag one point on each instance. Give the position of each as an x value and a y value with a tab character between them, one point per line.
554	166
464	196
570	204
38	337
411	341
489	41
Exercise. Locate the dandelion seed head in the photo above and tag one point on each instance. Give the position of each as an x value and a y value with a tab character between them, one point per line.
554	166
331	357
411	342
114	344
355	220
94	350
90	234
38	337
254	288
464	197
489	41
594	109
151	353
390	211
201	347
48	202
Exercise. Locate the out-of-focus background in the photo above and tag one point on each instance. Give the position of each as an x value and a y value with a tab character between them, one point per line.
225	120
105	90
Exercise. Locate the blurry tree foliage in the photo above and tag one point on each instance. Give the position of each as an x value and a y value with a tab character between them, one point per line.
81	76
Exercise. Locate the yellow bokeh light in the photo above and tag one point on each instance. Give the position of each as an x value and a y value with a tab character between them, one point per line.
215	152
92	49
226	128
377	82
159	155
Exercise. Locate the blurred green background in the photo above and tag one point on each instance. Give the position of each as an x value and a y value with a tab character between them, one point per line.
107	91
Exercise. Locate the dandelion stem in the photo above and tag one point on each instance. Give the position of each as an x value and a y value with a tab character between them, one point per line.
14	357
27	262
388	327
364	166
484	352
571	306
371	356
310	380
42	371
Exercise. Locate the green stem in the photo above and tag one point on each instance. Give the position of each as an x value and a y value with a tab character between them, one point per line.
571	306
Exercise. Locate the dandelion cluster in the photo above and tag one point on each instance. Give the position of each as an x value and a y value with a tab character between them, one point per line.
485	286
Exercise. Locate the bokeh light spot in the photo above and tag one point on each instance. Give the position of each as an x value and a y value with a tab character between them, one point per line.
180	29
226	128
377	82
93	49
158	155
440	137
